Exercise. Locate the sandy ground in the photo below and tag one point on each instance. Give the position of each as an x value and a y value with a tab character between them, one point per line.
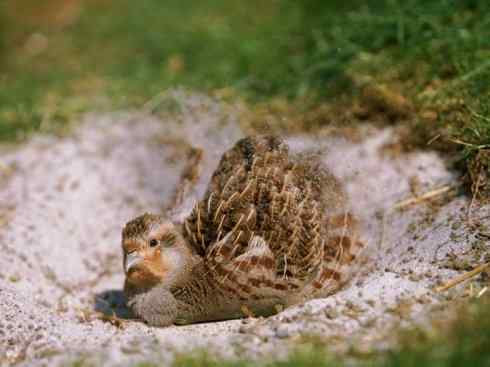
63	202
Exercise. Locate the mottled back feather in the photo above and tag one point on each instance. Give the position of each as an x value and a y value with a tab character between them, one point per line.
272	222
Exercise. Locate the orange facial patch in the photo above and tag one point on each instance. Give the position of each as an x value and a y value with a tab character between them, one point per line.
151	271
156	264
141	277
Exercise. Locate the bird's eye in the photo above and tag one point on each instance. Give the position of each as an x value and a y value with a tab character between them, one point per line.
153	242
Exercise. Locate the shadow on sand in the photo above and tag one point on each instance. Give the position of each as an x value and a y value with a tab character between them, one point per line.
112	303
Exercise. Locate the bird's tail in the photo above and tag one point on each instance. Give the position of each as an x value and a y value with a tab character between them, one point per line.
340	253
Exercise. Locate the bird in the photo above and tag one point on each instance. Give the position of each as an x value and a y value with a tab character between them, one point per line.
271	231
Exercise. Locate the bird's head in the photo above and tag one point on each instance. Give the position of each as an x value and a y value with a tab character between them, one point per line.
155	252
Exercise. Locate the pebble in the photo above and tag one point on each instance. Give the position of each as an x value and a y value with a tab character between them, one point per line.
283	332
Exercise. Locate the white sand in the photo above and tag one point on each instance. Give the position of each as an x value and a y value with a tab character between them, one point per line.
63	202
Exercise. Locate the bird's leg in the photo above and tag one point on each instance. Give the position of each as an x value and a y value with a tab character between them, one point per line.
157	307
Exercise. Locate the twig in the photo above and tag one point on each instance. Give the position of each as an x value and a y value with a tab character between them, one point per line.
418	199
466	144
433	139
482	292
473	197
463	277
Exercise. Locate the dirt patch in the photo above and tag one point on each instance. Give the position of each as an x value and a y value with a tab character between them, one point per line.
60	269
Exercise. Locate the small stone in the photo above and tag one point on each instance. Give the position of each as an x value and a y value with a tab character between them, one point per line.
331	313
371	302
282	332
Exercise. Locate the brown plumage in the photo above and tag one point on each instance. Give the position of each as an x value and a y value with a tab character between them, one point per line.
272	230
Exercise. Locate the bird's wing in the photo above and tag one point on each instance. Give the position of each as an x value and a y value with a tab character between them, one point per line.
252	274
238	193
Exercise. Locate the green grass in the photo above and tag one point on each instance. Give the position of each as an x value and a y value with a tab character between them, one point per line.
118	54
461	342
305	356
465	342
129	52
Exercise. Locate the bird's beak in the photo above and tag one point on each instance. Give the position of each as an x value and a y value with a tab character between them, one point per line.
132	259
